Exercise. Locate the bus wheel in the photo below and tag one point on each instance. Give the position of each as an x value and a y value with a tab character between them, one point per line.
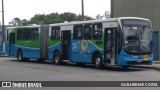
56	58
98	61
20	55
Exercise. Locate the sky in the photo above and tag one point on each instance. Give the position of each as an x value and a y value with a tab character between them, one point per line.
26	9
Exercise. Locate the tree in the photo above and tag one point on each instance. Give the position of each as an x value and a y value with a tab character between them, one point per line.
24	22
99	16
16	22
38	19
106	15
85	17
68	16
51	18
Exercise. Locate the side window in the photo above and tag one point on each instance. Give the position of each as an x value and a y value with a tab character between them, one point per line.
53	36
55	33
34	34
87	32
77	32
97	31
20	34
26	33
58	34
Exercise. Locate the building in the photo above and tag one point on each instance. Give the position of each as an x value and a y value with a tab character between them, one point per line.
140	8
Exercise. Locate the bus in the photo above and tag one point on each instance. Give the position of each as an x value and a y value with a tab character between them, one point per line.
1	41
123	41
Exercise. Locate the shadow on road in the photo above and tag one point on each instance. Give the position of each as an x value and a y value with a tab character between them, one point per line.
87	66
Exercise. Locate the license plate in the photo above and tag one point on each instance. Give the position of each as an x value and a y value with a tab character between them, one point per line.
139	61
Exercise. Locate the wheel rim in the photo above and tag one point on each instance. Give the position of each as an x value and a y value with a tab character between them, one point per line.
56	58
97	63
20	55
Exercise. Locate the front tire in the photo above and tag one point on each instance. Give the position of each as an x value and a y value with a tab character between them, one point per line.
98	62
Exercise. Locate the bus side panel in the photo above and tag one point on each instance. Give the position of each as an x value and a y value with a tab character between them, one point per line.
90	51
7	48
1	50
53	45
27	52
30	53
30	48
76	52
82	51
52	49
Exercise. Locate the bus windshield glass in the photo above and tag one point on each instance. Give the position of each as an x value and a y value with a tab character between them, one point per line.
137	36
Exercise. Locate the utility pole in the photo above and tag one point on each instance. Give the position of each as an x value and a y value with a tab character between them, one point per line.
82	10
3	20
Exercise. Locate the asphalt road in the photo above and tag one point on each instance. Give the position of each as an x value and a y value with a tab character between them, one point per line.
13	70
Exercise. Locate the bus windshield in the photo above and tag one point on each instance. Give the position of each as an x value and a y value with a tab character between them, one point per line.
137	36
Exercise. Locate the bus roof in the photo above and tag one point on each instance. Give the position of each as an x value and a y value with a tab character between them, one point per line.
31	26
96	21
80	22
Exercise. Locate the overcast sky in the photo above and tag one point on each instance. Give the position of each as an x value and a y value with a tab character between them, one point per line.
25	9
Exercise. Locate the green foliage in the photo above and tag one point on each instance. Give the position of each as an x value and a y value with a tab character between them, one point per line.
67	16
51	18
16	21
38	19
24	22
56	18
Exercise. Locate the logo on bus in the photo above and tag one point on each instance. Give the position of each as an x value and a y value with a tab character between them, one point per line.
84	45
145	57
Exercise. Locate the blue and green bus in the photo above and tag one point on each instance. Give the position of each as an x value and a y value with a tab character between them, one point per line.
123	41
1	41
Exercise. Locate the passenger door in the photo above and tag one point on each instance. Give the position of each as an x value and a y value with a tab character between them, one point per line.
110	45
11	43
65	44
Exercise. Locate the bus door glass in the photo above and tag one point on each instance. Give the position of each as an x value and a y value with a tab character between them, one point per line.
65	41
110	44
11	42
